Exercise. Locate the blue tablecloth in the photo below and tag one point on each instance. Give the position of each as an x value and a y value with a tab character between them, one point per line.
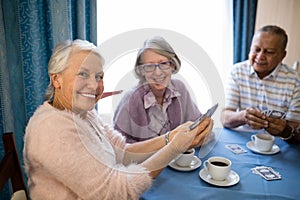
173	184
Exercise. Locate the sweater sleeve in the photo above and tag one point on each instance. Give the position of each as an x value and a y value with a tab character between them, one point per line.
121	118
130	117
54	146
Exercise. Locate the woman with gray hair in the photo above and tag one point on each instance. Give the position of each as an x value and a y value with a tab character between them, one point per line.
158	103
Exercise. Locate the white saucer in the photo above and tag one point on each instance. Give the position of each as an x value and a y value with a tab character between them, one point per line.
232	179
194	165
275	149
245	128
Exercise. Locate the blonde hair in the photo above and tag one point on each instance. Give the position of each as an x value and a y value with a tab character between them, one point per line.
60	57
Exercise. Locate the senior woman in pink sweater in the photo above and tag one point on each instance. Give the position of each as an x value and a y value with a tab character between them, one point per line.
71	154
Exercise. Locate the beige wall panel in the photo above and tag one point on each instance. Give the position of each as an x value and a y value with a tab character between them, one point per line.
286	14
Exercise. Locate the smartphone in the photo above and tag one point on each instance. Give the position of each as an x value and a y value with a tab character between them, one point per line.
208	113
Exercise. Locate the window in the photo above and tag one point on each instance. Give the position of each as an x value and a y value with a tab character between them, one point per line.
199	31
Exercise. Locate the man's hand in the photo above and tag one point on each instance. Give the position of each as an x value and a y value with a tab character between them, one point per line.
255	119
275	125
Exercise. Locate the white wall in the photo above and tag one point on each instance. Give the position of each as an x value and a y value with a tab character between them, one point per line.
207	24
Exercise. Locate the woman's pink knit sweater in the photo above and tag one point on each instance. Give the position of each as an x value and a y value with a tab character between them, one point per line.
67	158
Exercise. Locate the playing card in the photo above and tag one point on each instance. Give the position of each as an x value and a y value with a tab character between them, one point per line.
267	173
208	113
235	148
277	114
266	112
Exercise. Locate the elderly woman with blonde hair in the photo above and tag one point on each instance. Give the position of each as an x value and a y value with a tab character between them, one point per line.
70	153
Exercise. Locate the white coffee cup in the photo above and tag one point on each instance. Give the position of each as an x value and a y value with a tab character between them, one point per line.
185	159
263	141
218	167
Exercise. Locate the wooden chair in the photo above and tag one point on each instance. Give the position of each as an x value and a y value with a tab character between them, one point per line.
107	94
10	167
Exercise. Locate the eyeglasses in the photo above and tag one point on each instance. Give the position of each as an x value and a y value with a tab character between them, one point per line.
162	65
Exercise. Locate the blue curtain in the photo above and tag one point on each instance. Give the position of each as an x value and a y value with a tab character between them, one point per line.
244	15
29	31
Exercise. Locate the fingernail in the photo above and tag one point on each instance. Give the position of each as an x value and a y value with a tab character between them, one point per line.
266	125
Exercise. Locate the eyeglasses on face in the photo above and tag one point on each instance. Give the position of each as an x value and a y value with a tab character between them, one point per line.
152	66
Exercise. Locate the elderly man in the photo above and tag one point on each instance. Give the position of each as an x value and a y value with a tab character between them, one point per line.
262	92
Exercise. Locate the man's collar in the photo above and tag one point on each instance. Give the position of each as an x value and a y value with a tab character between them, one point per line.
272	75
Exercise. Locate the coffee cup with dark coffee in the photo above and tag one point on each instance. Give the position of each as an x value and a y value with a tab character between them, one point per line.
185	159
218	167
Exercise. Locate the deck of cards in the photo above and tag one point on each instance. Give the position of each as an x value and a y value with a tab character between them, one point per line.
235	148
274	113
267	173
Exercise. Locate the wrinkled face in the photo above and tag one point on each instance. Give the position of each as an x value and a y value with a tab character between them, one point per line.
266	53
81	84
159	78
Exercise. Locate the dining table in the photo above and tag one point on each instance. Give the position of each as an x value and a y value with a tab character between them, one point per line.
193	183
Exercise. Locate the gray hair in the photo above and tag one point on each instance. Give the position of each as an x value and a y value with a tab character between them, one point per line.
60	57
276	30
160	46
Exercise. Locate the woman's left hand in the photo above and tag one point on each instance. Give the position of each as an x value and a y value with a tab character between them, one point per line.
204	133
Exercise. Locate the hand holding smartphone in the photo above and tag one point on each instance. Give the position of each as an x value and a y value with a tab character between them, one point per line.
208	113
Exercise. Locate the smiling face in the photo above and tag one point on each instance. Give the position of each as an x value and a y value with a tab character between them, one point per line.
79	86
266	53
157	79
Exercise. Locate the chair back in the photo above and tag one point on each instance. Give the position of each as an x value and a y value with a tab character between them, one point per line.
10	167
